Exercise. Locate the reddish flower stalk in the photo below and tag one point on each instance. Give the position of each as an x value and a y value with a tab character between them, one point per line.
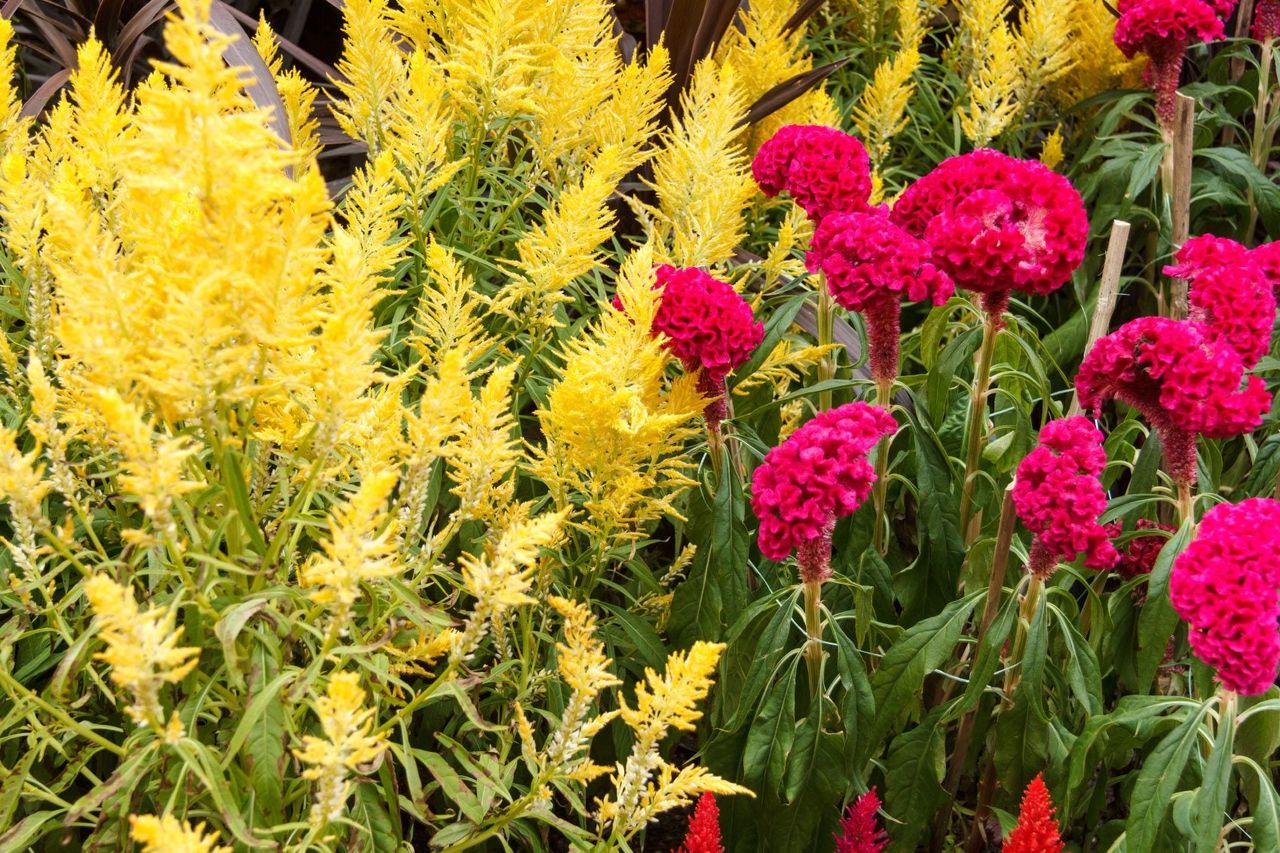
860	831
704	828
1036	831
1058	496
1226	586
1163	29
823	169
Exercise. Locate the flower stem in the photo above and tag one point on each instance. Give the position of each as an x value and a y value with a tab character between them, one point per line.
826	332
1260	144
884	389
977	421
813	627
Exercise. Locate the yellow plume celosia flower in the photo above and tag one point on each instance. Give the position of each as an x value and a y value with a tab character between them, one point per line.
628	117
167	834
13	127
486	451
348	742
701	174
371	67
1097	64
360	548
23	488
880	113
419	128
142	651
450	311
1044	42
1051	152
488	59
994	76
662	703
296	94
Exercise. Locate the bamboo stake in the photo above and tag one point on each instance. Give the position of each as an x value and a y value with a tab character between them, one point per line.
1108	290
1180	203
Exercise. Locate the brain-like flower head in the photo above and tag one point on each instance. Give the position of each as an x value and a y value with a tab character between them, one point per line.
817	475
1037	831
1229	294
1162	30
1140	553
1267	256
997	224
1180	379
1266	20
1226	585
1058	496
871	265
825	170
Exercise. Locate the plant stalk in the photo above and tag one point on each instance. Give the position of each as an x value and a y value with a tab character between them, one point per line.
826	318
884	390
813	627
1260	144
976	429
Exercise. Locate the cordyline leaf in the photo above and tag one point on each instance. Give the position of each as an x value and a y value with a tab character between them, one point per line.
262	89
787	91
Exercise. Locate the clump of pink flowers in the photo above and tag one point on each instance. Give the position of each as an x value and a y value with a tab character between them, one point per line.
1183	381
1162	30
704	827
871	265
708	326
1229	294
860	831
1226	586
1138	557
997	224
1058	497
825	170
820	473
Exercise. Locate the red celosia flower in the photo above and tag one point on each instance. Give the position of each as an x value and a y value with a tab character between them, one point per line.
1163	29
1229	294
704	827
1267	256
1179	379
860	832
1036	831
871	265
708	326
817	475
825	170
1266	20
997	224
1140	552
1226	585
1059	498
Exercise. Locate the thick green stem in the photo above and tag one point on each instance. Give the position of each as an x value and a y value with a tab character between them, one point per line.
977	428
826	333
1260	144
813	627
884	388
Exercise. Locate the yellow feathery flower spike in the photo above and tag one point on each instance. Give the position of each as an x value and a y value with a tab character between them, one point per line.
628	117
13	127
500	578
419	128
360	548
1044	43
1098	65
881	111
348	742
612	436
486	451
371	69
1051	153
487	58
296	94
44	427
663	702
701	174
167	834
142	651
993	77
448	318
23	488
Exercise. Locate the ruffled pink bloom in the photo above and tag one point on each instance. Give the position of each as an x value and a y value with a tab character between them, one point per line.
1229	294
1266	20
1226	586
1140	553
825	170
1183	382
708	326
1163	29
860	831
997	224
820	473
1058	496
871	265
1267	257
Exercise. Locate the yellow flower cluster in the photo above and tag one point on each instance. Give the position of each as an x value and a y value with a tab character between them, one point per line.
348	743
167	834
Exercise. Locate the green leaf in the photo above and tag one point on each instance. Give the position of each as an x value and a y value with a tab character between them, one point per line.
1215	787
780	320
25	831
1266	810
922	648
772	733
1083	673
769	649
264	756
1158	621
373	817
454	788
253	713
1158	782
913	776
229	626
11	790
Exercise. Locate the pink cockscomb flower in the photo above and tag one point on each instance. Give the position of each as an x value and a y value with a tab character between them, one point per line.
1267	257
825	170
817	475
997	224
1182	381
871	265
1162	30
1229	294
1266	20
704	827
1138	556
860	831
708	326
1226	586
1058	496
1036	831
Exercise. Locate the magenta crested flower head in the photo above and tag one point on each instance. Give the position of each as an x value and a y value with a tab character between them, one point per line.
1267	256
1140	553
1058	496
1266	20
997	224
820	473
708	326
1229	294
1226	586
825	170
871	266
1181	379
1162	30
860	831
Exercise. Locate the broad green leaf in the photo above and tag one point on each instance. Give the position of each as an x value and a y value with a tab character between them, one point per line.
1158	621
1158	782
913	774
772	733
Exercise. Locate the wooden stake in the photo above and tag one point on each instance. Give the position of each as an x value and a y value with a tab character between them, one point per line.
1180	202
1108	290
